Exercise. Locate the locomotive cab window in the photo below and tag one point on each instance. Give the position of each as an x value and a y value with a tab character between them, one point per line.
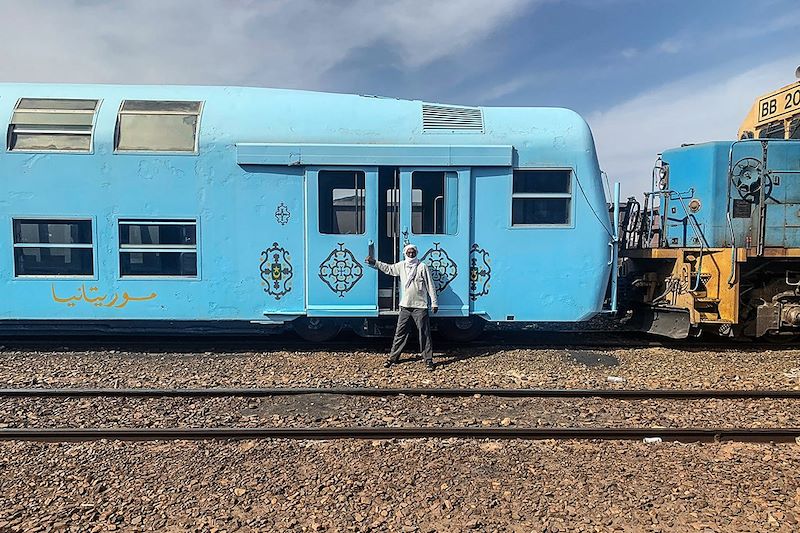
157	126
794	129
53	247
541	197
434	210
776	130
341	202
158	248
49	124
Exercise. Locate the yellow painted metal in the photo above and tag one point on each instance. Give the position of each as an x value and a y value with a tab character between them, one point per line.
714	299
781	105
671	279
651	253
775	252
742	254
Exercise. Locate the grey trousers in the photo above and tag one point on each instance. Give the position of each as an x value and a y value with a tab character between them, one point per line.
403	331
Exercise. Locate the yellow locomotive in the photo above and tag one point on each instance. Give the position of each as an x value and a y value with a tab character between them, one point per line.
775	115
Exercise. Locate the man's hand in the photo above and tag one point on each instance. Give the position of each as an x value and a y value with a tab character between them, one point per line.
369	260
435	309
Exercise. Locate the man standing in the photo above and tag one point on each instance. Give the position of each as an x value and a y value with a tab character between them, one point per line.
416	288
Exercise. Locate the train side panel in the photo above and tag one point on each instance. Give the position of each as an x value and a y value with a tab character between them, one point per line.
542	272
249	210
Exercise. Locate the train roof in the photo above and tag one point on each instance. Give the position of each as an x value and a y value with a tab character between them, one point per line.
260	115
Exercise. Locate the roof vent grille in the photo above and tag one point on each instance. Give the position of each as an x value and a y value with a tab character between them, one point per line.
449	118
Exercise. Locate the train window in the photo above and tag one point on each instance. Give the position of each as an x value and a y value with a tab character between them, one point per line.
157	126
49	124
158	248
341	202
436	211
541	197
53	247
775	130
794	129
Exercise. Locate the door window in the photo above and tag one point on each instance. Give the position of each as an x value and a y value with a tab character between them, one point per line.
434	203
341	202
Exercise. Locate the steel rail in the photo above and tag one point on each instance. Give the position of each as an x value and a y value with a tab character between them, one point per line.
587	339
329	433
630	394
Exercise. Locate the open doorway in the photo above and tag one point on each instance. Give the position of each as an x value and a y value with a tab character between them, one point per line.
388	235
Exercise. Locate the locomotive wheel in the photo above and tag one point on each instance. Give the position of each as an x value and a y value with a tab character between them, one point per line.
316	329
464	329
774	338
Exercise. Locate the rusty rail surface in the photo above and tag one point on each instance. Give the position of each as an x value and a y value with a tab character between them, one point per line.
168	434
621	394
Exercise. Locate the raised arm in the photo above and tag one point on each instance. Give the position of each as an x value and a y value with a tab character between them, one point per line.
386	268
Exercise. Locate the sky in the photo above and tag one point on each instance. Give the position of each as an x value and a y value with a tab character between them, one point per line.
647	75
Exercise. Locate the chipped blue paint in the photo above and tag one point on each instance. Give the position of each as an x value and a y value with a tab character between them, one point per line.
247	164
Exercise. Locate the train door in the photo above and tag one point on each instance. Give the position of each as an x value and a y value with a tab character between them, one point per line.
341	230
434	215
388	236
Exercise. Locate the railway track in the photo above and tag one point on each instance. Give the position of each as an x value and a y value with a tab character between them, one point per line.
500	340
691	434
317	433
617	394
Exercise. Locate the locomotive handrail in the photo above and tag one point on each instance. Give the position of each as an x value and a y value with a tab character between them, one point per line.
699	235
732	277
698	232
658	166
615	250
675	195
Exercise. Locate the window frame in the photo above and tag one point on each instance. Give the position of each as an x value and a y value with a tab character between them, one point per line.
10	128
793	129
568	195
772	128
364	173
133	220
51	218
444	171
118	123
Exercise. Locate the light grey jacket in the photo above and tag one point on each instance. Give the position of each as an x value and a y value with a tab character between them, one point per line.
415	296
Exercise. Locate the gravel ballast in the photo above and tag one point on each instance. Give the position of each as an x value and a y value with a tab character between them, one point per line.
468	367
428	485
400	485
340	411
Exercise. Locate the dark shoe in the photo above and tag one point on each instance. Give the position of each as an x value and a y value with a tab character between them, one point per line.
430	365
389	362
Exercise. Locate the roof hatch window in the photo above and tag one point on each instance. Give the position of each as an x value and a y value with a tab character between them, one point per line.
158	126
51	124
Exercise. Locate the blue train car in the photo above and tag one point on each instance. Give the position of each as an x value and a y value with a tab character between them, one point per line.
131	206
722	252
